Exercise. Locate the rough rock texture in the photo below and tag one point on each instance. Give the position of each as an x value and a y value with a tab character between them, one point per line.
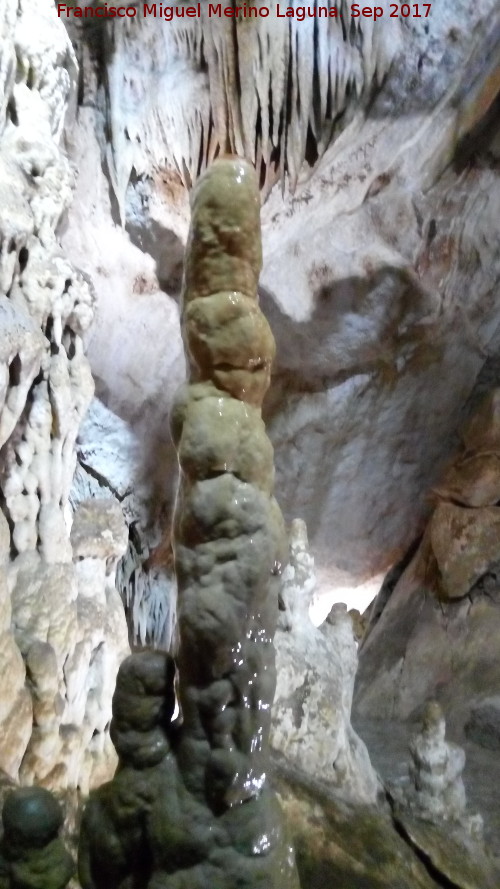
437	635
363	847
114	848
15	699
110	466
379	275
451	856
315	682
229	533
483	725
203	814
63	628
70	628
321	71
436	790
32	856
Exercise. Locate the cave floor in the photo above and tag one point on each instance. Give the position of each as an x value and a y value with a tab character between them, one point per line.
387	744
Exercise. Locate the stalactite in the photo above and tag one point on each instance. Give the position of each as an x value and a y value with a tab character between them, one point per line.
259	87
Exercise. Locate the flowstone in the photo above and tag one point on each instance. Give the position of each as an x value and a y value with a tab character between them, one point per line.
190	806
61	621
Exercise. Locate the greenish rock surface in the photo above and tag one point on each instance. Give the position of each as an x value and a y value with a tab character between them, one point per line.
32	856
364	847
451	853
190	806
224	248
228	328
222	434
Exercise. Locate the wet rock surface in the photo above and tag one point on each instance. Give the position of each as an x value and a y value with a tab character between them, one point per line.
371	848
191	805
32	856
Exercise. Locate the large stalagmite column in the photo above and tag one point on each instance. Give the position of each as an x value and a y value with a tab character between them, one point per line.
190	806
229	532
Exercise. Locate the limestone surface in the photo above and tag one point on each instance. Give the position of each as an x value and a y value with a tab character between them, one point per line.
315	682
442	618
483	724
379	271
111	467
436	790
60	650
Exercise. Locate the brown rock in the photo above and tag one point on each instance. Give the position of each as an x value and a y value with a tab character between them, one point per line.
465	543
482	433
472	481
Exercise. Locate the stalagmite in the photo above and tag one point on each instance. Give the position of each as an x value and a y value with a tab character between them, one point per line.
32	855
199	811
229	531
316	667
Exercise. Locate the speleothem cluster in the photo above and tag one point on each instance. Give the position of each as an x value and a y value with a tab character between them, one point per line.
198	812
62	627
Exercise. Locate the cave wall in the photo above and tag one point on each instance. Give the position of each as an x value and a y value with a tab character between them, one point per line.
63	625
380	279
380	268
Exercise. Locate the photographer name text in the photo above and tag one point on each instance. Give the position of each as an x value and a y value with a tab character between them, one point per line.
169	13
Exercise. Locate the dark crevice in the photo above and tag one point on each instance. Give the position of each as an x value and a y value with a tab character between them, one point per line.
15	368
12	111
5	510
102	481
311	152
476	144
255	368
439	878
23	259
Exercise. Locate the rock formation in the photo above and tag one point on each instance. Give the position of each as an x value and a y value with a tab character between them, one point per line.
32	856
436	791
110	466
229	533
315	683
114	844
483	724
308	74
380	281
68	630
379	272
191	807
442	617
